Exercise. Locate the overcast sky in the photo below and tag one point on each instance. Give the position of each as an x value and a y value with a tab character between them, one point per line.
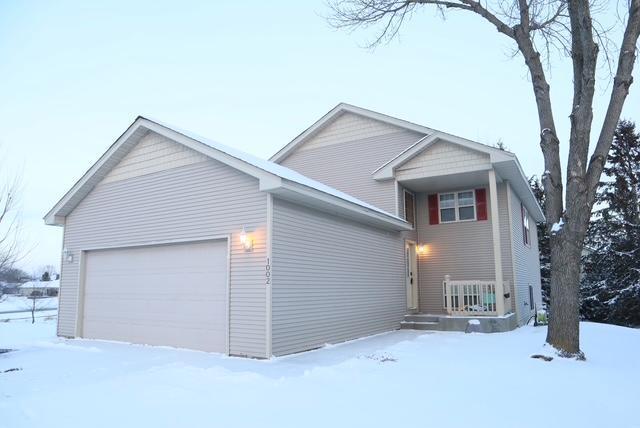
251	74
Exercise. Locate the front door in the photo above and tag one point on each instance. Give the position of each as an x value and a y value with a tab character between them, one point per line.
411	275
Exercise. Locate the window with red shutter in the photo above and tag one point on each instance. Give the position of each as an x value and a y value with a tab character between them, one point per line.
453	207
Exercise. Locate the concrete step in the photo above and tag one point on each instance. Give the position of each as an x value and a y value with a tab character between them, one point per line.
480	324
421	318
424	325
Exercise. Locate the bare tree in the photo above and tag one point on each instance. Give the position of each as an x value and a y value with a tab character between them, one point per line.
536	27
50	272
10	250
36	302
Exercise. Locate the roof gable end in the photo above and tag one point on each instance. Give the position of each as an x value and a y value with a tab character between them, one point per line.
387	170
272	177
378	122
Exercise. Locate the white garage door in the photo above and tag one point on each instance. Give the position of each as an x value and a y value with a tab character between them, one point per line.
159	295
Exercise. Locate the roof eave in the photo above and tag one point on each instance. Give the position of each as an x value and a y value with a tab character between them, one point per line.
268	181
304	195
522	187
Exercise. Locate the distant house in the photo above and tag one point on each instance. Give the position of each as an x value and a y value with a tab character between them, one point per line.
40	288
10	288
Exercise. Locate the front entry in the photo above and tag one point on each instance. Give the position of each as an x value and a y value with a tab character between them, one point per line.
411	261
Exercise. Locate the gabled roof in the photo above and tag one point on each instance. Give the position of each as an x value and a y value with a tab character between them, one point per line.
385	171
273	178
335	113
504	162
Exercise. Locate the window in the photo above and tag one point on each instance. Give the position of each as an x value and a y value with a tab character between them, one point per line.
526	231
531	307
409	208
457	206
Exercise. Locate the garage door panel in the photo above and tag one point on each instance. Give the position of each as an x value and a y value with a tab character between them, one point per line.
182	337
172	295
157	310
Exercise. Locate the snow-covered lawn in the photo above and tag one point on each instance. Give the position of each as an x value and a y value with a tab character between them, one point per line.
402	378
22	303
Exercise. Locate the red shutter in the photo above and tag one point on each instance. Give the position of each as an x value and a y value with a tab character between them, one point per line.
433	209
481	204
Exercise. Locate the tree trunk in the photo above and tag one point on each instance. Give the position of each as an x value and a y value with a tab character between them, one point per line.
564	331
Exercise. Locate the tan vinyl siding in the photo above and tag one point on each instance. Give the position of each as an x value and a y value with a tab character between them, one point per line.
184	202
442	158
463	250
152	154
345	153
527	263
333	279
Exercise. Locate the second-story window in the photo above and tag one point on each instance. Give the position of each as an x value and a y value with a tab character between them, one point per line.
457	206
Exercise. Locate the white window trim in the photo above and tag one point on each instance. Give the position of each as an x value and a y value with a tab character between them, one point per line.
457	206
526	227
404	206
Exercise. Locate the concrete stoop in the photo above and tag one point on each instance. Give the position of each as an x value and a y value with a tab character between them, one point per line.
459	323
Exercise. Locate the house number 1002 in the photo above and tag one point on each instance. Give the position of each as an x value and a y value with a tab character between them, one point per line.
267	271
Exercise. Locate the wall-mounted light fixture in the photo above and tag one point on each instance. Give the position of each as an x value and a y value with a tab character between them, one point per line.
67	255
246	240
422	249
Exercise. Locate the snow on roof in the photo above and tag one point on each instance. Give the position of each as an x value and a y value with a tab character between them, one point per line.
273	168
41	284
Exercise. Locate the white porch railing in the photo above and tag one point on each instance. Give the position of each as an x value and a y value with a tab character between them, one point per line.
474	298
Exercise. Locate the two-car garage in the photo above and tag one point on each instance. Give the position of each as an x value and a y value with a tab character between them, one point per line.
170	239
173	294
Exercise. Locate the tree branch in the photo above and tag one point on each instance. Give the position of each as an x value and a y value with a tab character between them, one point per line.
477	8
549	143
584	53
621	84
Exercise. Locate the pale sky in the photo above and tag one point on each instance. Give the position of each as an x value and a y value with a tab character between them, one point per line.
252	75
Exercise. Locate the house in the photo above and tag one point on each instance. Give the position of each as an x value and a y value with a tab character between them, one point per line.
362	224
9	288
40	288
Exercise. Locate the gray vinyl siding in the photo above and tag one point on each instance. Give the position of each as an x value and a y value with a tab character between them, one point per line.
505	241
333	279
200	199
526	261
345	159
463	250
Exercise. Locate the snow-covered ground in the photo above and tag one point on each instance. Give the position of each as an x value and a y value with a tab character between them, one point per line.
403	378
22	303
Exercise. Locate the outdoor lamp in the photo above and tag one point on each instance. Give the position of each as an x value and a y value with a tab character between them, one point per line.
67	255
246	240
